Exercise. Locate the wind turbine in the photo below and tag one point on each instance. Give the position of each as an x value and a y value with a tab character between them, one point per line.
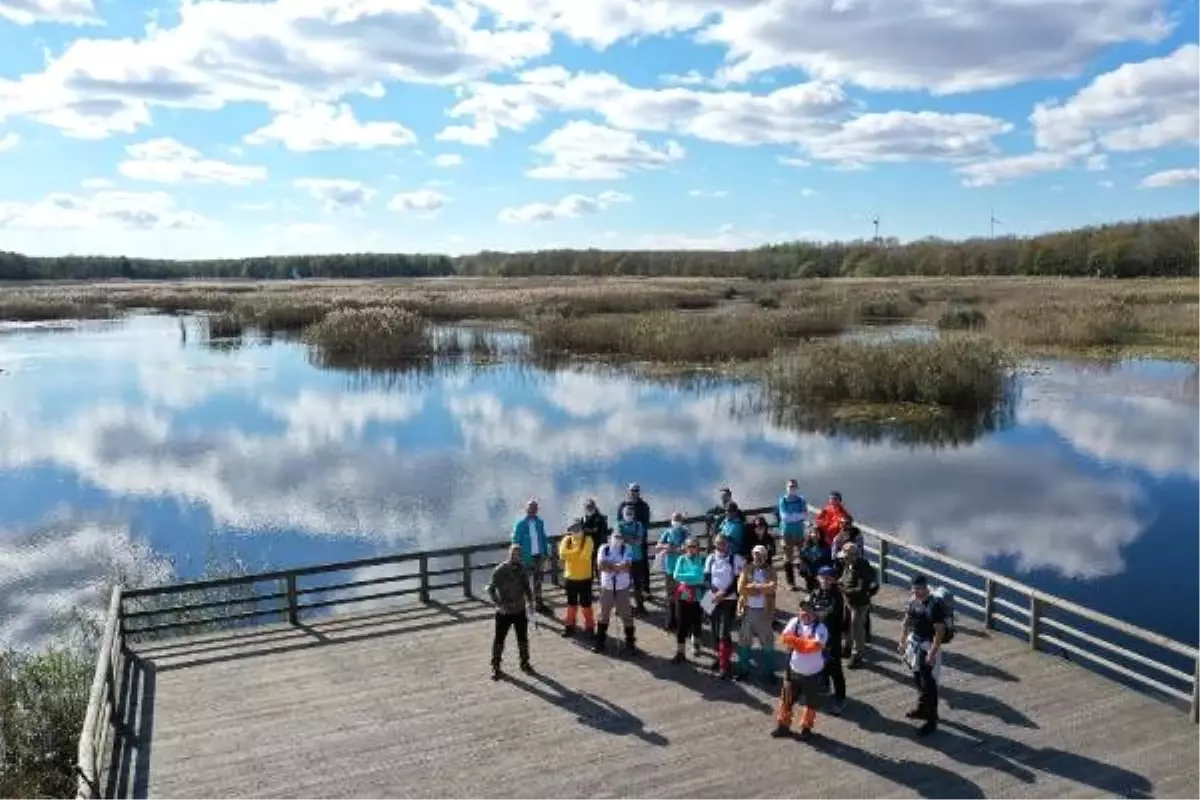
875	222
993	220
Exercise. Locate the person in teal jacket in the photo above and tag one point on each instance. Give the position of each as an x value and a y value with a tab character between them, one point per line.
792	511
634	533
530	533
734	527
670	549
689	585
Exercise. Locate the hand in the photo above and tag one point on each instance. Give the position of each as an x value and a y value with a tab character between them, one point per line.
900	647
929	658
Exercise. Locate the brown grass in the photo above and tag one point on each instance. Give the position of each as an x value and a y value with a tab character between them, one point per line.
370	336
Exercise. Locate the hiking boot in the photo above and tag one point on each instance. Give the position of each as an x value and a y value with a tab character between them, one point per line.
527	668
695	648
929	727
781	732
855	663
497	673
837	708
805	734
678	658
568	632
915	713
601	639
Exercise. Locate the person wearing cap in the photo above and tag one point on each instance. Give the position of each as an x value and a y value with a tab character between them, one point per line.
595	525
792	512
832	518
921	646
615	561
721	571
641	513
716	514
530	533
688	578
575	551
670	548
804	637
756	600
857	580
830	608
634	534
510	593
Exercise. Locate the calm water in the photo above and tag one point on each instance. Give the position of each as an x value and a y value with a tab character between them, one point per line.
126	447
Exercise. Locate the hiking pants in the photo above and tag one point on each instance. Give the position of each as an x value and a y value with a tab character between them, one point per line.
833	668
503	622
618	598
927	689
858	629
690	620
802	689
673	603
756	623
640	574
722	620
537	571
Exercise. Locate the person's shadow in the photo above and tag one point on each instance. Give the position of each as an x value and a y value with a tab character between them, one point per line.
691	676
927	780
590	710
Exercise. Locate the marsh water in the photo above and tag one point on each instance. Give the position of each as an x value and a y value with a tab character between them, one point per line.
139	448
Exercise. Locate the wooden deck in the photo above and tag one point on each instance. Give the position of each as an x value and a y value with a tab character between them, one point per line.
399	704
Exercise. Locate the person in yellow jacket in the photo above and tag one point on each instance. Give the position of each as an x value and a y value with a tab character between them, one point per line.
575	551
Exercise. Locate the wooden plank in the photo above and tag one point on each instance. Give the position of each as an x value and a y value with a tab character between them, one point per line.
399	703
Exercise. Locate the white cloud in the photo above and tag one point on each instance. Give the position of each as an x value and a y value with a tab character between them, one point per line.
793	161
585	151
927	44
168	161
573	205
1138	106
1009	168
28	12
1097	162
315	418
808	192
337	194
429	201
275	53
1170	177
104	209
8	141
895	136
690	78
322	126
448	160
96	183
708	193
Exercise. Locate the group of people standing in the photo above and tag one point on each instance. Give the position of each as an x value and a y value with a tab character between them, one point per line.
734	585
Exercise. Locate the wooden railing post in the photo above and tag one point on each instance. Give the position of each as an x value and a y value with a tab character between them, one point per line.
466	573
1035	618
989	600
293	610
424	567
1196	692
883	560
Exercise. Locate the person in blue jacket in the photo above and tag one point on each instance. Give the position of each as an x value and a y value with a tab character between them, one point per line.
792	512
530	533
734	528
670	549
634	533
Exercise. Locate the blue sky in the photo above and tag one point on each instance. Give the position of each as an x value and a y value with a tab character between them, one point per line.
215	129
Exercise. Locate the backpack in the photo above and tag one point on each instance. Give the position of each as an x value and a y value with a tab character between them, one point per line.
945	598
872	581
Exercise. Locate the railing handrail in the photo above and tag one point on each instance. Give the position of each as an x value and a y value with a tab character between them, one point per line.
87	757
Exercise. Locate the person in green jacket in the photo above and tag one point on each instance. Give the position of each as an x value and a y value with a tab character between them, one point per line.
689	583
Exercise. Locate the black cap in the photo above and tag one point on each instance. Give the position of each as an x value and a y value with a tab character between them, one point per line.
919	580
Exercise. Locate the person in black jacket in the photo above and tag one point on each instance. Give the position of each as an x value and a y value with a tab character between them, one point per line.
759	534
830	607
641	513
857	581
595	525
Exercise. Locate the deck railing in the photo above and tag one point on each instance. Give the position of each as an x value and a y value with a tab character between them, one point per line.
1124	651
99	722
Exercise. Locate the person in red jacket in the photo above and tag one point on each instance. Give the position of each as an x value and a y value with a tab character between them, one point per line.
832	519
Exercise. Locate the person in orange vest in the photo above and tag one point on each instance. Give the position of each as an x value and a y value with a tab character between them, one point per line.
805	638
832	518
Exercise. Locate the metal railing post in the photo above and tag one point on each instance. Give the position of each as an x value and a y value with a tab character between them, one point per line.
293	611
989	598
466	573
423	563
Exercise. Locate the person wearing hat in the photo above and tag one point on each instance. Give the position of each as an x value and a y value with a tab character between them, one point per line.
921	647
595	525
756	600
616	560
830	607
641	563
857	581
804	637
530	533
576	554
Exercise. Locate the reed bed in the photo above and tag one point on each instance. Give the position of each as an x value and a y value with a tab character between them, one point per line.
30	307
679	338
224	325
962	318
963	373
370	335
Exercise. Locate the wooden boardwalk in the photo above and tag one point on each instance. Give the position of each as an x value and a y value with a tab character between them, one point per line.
399	704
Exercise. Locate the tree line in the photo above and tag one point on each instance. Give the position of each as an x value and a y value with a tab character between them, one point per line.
1151	248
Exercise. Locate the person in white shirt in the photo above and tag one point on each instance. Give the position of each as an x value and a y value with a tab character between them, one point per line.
757	584
616	563
721	571
805	638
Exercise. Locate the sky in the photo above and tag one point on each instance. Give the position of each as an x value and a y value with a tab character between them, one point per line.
227	128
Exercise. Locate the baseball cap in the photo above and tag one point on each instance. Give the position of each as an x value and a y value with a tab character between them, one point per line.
823	571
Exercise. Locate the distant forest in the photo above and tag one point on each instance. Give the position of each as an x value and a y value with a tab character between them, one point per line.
1156	248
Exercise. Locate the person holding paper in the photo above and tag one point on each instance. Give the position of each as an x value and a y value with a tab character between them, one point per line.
721	570
670	548
689	583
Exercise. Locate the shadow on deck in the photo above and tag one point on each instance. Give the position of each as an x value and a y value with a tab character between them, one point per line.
398	703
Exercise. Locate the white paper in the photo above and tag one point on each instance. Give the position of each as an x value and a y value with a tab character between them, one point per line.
708	603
